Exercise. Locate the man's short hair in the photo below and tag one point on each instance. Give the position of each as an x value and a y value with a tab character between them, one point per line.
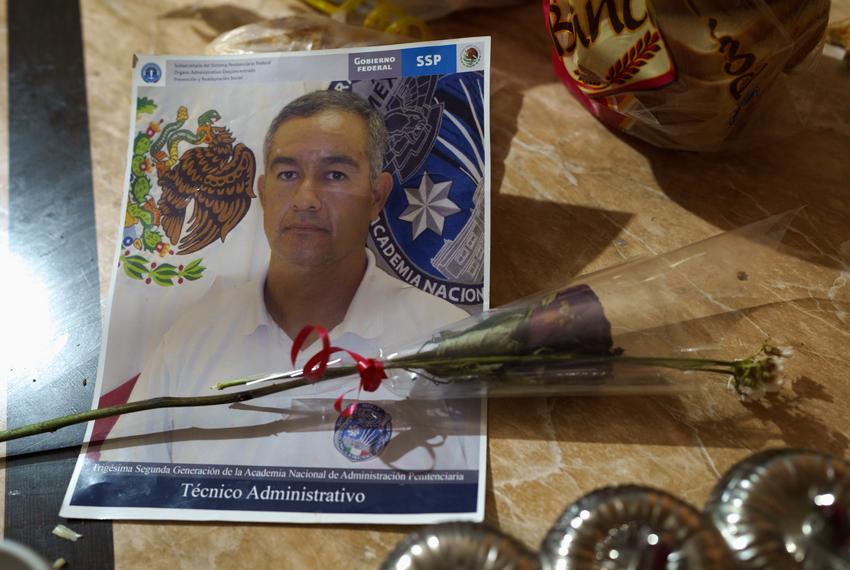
317	102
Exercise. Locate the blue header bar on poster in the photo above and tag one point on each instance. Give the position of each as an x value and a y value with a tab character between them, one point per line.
410	62
429	60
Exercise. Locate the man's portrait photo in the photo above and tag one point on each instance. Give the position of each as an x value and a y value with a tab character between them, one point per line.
253	209
321	186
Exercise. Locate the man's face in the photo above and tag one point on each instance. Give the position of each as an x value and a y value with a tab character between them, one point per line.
316	195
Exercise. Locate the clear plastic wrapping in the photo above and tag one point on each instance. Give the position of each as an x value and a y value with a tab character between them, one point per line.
645	327
697	75
298	32
637	328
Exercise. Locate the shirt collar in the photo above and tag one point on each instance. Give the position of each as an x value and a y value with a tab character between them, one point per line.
364	318
256	314
365	315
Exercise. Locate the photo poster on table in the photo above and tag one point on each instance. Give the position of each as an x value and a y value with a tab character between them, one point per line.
188	304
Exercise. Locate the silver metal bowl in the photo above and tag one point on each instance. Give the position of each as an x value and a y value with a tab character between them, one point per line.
785	508
460	546
632	528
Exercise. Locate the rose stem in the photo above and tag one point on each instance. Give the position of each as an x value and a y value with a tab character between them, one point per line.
156	403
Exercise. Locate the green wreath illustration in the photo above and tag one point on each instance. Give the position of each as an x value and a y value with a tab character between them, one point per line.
213	175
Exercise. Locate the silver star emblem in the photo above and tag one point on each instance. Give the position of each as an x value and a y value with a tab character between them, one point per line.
428	206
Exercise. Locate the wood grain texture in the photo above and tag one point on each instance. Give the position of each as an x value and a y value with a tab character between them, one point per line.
570	196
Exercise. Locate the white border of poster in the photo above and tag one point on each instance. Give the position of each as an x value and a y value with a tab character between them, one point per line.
288	457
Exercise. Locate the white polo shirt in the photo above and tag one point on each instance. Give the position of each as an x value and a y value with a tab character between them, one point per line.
230	334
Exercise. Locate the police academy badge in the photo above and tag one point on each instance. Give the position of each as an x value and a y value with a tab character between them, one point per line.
431	232
364	434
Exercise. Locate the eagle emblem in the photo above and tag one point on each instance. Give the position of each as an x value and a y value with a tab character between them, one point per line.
219	178
213	179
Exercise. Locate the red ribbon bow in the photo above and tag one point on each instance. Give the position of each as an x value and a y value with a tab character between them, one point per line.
371	370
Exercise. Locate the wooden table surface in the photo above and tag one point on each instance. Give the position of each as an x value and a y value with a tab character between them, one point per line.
569	196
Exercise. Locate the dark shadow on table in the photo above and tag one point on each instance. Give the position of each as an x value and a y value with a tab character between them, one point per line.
538	245
525	39
646	421
491	507
505	105
811	168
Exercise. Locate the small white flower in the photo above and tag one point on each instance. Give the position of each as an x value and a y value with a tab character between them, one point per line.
781	351
773	367
760	375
